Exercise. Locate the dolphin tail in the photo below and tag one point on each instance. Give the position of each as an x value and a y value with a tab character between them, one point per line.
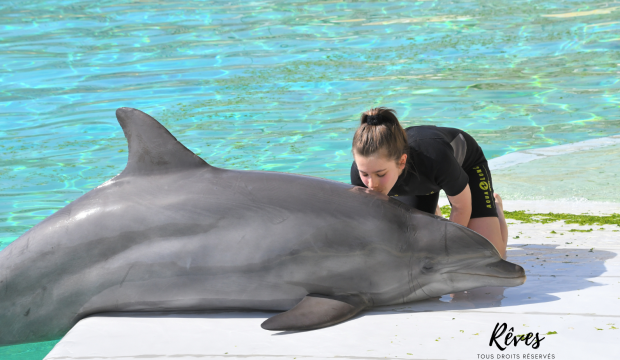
152	149
317	311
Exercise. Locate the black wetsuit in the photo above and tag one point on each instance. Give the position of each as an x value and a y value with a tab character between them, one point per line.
441	158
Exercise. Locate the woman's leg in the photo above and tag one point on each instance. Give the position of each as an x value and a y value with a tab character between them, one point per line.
490	228
487	215
502	220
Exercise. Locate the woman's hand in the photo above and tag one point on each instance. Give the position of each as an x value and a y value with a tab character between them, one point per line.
461	207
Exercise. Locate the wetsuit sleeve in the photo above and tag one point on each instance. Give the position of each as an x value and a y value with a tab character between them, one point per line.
355	176
448	174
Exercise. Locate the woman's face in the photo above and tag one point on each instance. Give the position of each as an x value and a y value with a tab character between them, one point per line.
378	172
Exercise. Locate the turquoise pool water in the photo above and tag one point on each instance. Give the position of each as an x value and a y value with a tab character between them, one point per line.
279	85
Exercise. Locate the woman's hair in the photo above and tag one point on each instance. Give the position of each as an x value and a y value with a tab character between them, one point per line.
380	131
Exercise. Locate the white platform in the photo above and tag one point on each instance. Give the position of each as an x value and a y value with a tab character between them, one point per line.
569	290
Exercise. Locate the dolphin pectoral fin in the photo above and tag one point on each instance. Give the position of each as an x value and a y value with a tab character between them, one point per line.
317	311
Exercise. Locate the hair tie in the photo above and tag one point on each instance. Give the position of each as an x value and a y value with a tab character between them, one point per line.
373	120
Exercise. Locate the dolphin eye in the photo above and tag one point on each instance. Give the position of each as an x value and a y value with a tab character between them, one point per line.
427	266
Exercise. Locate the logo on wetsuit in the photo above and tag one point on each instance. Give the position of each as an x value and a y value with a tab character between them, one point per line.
484	186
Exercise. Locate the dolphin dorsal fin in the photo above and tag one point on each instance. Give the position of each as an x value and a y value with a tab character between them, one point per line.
152	149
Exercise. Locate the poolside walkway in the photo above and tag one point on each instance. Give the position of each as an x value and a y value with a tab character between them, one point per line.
571	299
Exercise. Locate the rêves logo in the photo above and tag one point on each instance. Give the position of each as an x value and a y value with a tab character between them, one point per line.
511	339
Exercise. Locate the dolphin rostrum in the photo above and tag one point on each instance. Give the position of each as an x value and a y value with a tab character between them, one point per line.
172	233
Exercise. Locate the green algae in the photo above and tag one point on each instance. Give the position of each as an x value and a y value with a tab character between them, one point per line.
583	219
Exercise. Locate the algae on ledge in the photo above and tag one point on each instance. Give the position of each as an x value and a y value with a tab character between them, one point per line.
584	219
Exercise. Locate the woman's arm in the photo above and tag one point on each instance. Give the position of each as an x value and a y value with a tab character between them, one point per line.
461	207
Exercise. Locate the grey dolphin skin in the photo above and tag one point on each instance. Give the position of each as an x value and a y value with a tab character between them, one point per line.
172	233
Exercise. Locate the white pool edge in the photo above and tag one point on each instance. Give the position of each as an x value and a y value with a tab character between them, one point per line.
521	157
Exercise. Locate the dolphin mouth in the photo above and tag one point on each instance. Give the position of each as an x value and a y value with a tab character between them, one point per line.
486	275
499	270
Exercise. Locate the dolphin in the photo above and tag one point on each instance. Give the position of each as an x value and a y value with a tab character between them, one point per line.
173	233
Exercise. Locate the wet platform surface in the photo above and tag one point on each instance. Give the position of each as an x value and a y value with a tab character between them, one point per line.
571	299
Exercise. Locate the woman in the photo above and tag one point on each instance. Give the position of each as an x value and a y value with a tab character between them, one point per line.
414	164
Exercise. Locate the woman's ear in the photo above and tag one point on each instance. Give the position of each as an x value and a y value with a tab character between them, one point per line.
402	161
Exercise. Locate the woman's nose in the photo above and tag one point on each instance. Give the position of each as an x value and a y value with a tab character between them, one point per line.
372	183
